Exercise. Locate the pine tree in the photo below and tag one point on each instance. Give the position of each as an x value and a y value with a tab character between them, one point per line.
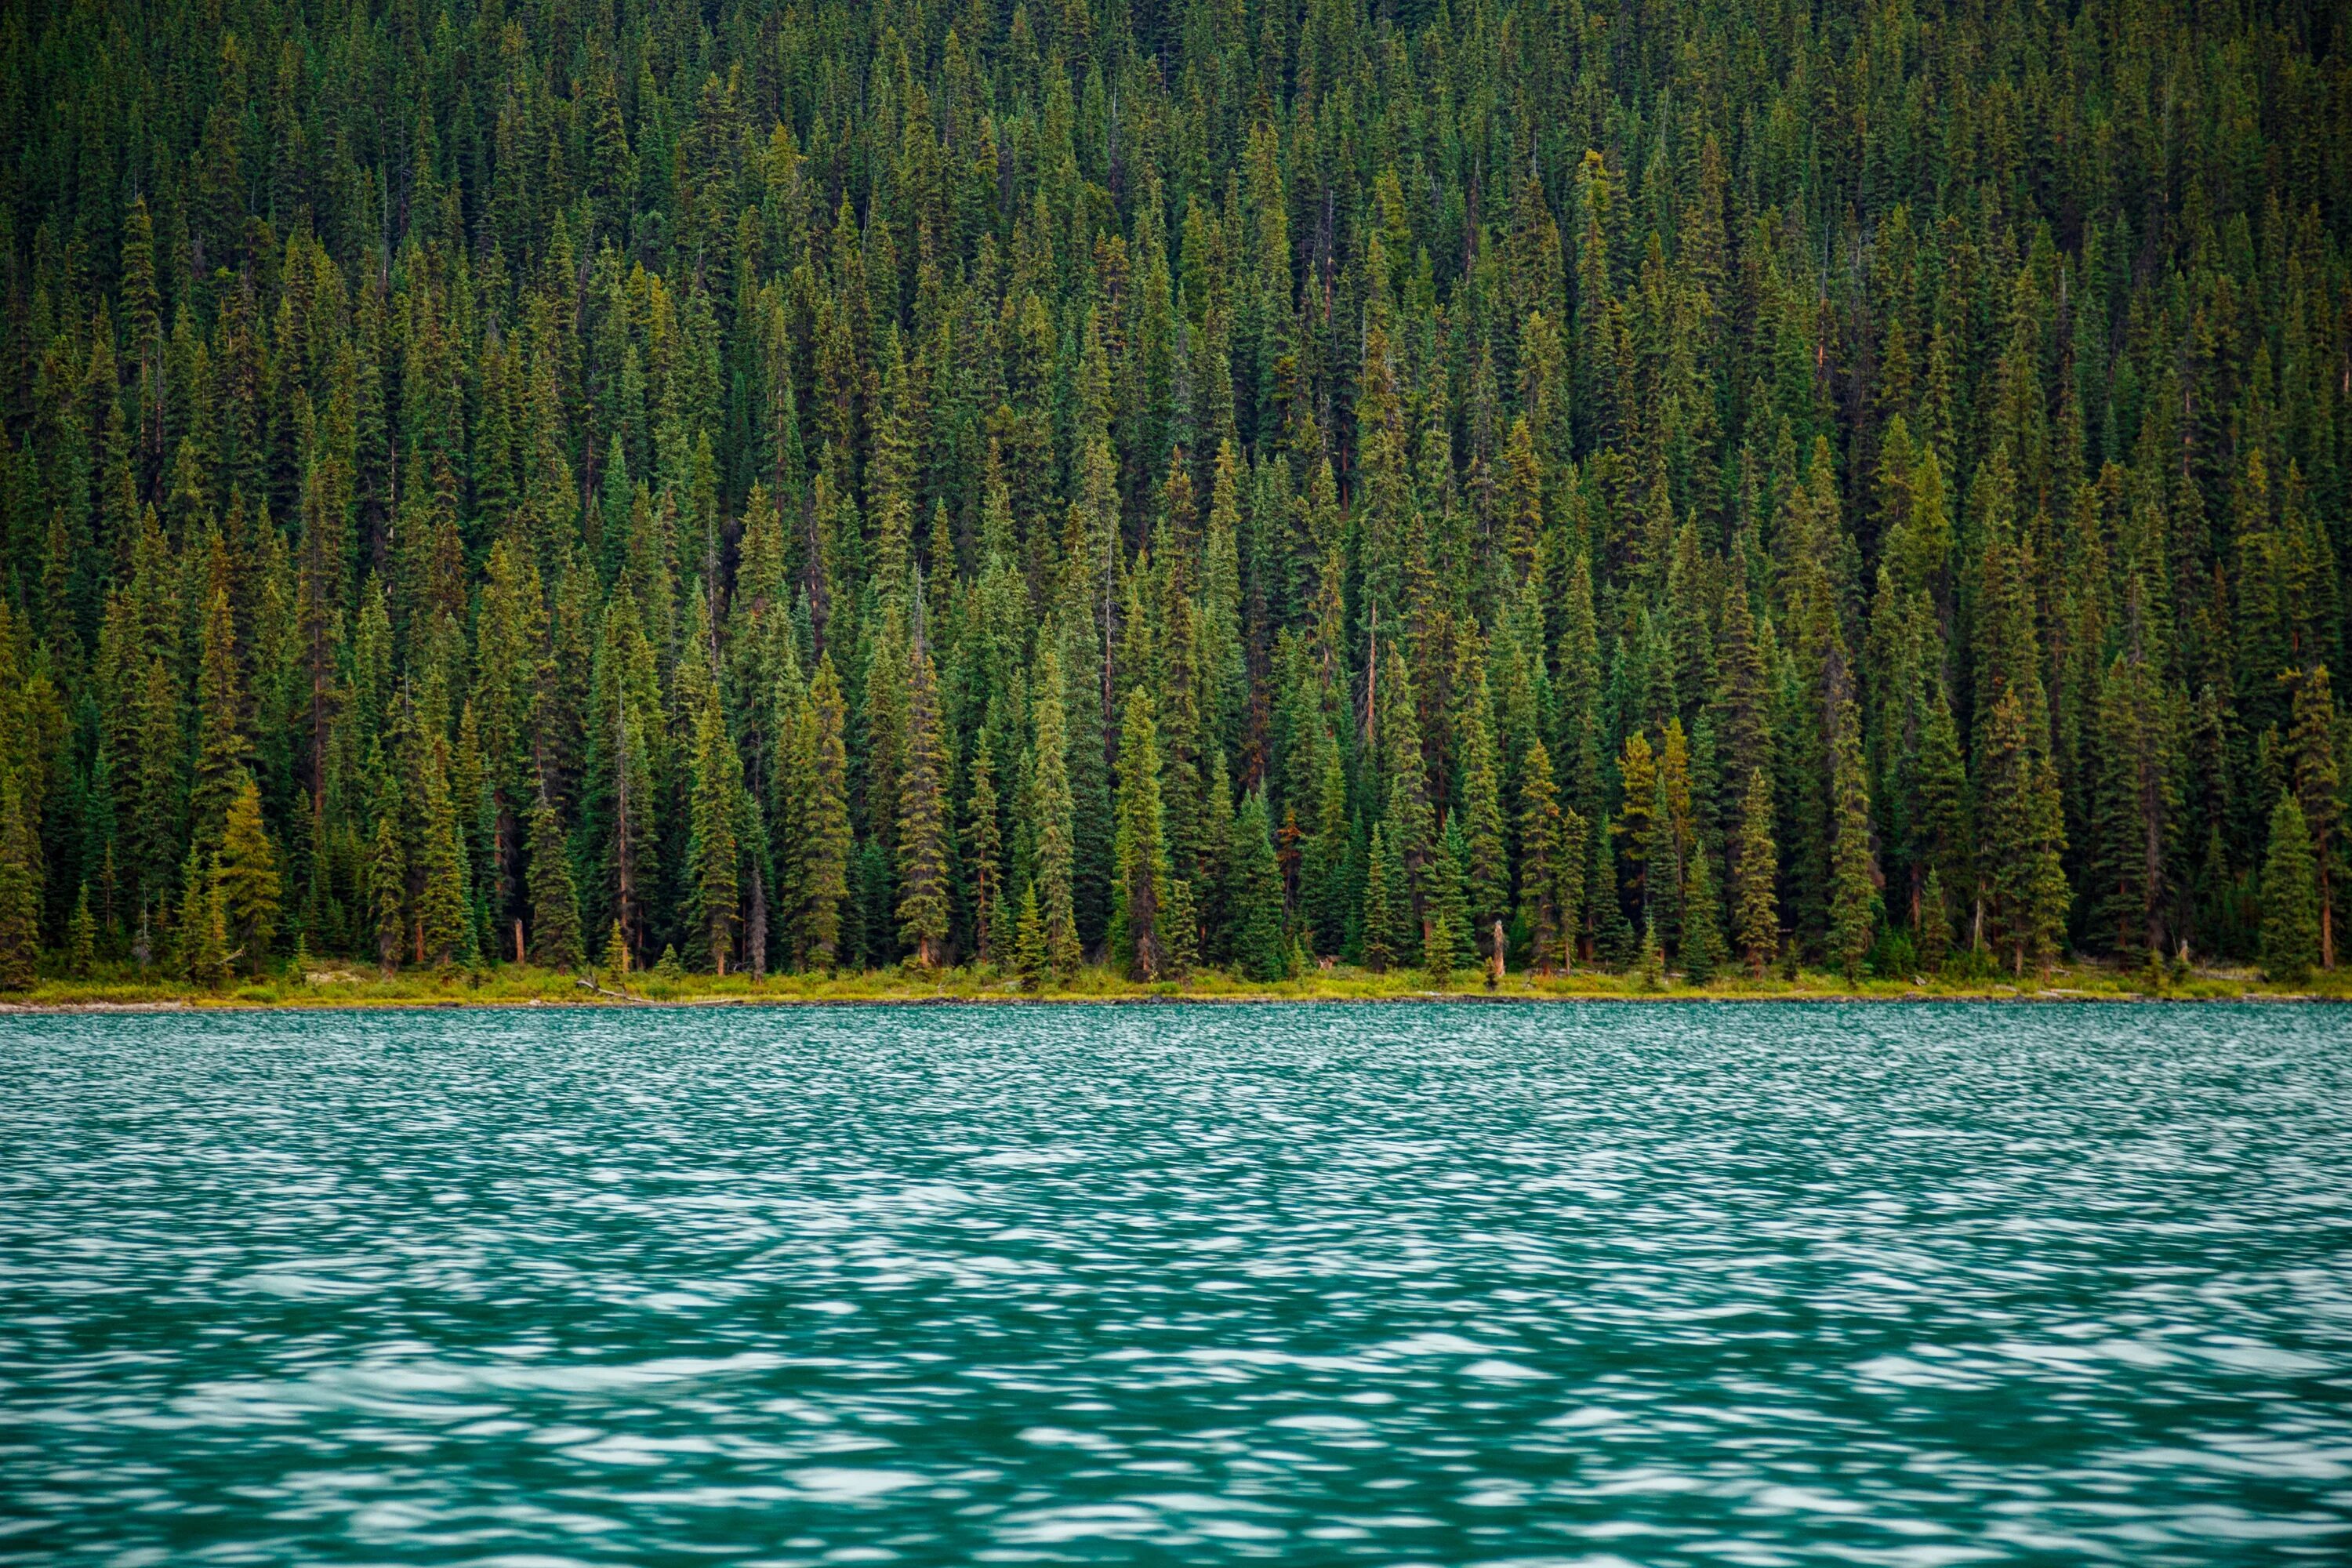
1934	938
2319	792
1539	860
1449	919
1702	950
714	857
81	938
1143	849
203	925
19	908
442	928
1179	931
2021	835
1050	794
388	880
249	879
924	852
2290	897
1755	909
1383	943
984	847
1030	959
1851	891
1256	883
826	841
1613	942
222	752
1637	825
555	939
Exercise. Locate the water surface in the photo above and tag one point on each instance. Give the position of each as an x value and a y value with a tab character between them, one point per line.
1601	1286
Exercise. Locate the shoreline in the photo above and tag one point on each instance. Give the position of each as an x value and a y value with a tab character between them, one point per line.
509	988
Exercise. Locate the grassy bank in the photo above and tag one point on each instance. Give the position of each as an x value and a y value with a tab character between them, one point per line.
517	985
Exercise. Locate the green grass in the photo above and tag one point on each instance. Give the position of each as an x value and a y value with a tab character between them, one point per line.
336	985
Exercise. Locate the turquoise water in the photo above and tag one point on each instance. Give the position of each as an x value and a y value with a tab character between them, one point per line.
1603	1285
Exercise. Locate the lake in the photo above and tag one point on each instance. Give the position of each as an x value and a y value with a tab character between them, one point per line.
1523	1284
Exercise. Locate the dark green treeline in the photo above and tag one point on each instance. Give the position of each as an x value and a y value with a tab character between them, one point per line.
1195	482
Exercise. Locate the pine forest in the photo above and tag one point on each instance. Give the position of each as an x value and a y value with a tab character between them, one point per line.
1692	488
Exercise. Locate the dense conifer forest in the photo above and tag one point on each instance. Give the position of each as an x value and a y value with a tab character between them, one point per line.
1698	485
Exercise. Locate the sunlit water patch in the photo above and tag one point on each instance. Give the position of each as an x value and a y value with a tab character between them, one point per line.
1498	1285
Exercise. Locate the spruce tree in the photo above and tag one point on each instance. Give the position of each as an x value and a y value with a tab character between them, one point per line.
1180	929
2021	835
1382	940
924	851
2318	790
1934	938
1702	950
983	845
441	904
221	751
249	878
1448	916
1258	949
1851	891
556	938
1052	818
1031	961
204	926
19	908
1756	907
388	883
1142	850
1539	860
2290	897
825	839
713	853
81	938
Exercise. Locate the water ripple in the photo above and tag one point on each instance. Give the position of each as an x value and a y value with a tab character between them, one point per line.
1602	1288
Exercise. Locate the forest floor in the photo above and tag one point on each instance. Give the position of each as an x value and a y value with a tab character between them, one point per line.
338	986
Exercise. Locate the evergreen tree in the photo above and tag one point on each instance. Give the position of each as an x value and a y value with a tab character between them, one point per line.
222	753
1755	909
556	938
1383	899
985	846
1052	814
1852	893
1702	949
442	929
1143	849
19	910
388	882
714	855
826	841
1030	960
2290	897
203	925
82	938
1259	948
1541	857
2318	791
249	879
924	852
1179	931
1934	938
1449	920
2021	838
